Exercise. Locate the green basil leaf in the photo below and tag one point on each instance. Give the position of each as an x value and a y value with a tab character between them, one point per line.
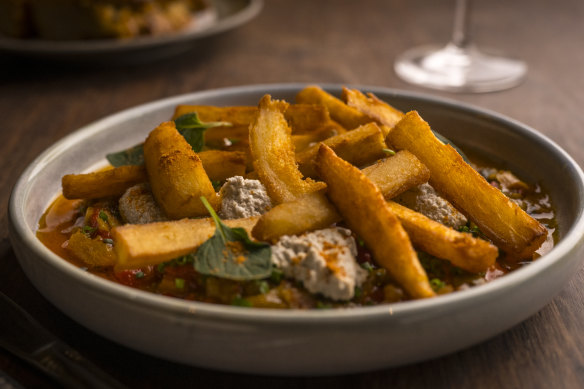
193	129
132	156
230	254
195	137
188	125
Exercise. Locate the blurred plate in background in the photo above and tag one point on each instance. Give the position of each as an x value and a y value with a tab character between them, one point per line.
223	16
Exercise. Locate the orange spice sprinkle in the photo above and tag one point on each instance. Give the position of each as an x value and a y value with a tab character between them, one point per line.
236	248
330	254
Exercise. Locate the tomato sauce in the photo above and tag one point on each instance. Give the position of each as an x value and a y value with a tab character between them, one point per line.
178	278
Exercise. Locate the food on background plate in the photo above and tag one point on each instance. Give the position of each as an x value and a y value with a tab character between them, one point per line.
96	19
323	202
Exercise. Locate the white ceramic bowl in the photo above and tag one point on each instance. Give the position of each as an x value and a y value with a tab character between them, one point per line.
294	342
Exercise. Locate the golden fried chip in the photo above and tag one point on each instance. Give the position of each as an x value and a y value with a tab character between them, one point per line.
366	213
360	146
139	245
392	175
374	108
273	156
220	165
499	218
396	174
176	174
340	112
310	212
302	118
461	249
106	183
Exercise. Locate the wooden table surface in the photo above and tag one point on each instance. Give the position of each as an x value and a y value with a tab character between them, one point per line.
325	41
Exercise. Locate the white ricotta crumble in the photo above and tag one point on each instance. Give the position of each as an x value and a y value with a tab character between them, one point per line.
425	200
323	260
137	206
241	198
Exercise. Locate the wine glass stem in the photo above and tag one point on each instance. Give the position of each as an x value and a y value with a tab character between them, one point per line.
461	33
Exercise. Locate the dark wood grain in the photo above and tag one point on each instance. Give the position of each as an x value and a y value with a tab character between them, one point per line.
334	41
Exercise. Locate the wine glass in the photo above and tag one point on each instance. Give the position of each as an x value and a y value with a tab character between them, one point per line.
459	66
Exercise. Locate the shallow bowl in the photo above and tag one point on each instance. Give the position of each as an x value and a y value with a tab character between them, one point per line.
317	342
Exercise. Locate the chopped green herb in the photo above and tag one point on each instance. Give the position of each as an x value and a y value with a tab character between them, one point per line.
474	230
263	286
358	292
360	242
389	151
437	284
230	254
367	266
241	302
182	260
434	267
108	241
88	229
139	274
277	275
217	185
103	216
323	305
179	283
380	272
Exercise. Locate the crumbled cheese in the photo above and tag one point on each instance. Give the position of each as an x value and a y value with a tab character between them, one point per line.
243	198
425	200
324	261
137	206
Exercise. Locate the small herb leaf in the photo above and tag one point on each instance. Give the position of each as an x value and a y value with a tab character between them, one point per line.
193	129
188	125
230	254
437	284
132	156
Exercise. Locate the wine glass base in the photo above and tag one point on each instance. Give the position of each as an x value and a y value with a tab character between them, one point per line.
457	69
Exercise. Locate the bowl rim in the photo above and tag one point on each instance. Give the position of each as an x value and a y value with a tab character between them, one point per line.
194	309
